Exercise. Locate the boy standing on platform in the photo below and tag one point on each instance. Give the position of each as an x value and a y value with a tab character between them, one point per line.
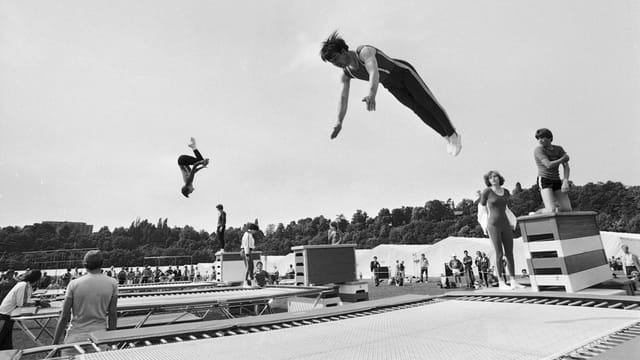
222	224
548	158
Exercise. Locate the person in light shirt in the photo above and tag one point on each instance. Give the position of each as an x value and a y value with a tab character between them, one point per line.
90	303
630	262
18	297
248	244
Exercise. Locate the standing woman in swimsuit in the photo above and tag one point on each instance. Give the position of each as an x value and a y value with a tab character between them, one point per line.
189	166
498	222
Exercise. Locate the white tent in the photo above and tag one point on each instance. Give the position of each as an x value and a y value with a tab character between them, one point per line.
441	252
387	255
437	254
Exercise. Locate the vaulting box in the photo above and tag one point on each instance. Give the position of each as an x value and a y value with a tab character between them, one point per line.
299	303
325	264
354	291
230	265
564	249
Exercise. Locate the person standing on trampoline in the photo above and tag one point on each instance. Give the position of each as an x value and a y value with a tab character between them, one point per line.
497	220
548	159
398	76
189	166
248	244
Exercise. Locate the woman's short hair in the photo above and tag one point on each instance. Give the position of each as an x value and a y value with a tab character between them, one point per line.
32	276
93	260
219	207
333	45
491	173
544	133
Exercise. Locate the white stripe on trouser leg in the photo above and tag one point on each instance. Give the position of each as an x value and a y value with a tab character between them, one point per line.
420	81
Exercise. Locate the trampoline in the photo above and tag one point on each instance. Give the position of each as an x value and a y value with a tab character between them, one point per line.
135	290
143	310
487	326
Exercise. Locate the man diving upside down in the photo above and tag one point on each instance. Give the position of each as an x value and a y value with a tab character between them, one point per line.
189	166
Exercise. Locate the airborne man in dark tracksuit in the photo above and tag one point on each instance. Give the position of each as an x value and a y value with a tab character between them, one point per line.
399	77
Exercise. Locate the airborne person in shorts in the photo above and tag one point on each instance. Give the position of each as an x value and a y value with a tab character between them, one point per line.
189	166
398	76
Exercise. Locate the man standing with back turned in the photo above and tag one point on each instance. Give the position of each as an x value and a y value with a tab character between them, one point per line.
92	300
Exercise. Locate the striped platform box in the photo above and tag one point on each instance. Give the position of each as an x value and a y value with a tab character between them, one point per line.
324	264
354	291
300	303
564	250
230	266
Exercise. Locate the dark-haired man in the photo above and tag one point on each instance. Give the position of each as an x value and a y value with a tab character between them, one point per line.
91	299
398	76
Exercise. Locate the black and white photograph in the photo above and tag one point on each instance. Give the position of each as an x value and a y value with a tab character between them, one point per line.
321	180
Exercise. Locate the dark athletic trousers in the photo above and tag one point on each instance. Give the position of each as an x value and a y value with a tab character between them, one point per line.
220	236
187	160
406	85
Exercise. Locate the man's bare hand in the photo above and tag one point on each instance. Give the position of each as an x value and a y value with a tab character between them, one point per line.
336	130
371	102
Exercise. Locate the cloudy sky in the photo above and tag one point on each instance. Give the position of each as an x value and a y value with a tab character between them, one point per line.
99	98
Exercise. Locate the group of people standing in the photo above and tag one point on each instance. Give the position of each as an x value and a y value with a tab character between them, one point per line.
464	271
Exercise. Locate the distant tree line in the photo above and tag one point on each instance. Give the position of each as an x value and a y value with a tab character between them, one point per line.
617	206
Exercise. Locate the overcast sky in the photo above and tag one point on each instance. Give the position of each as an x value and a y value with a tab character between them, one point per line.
99	98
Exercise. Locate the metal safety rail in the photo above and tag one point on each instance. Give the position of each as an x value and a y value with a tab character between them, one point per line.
588	351
550	298
599	346
124	339
168	285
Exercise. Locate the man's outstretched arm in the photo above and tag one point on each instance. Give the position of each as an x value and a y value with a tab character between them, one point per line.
344	101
